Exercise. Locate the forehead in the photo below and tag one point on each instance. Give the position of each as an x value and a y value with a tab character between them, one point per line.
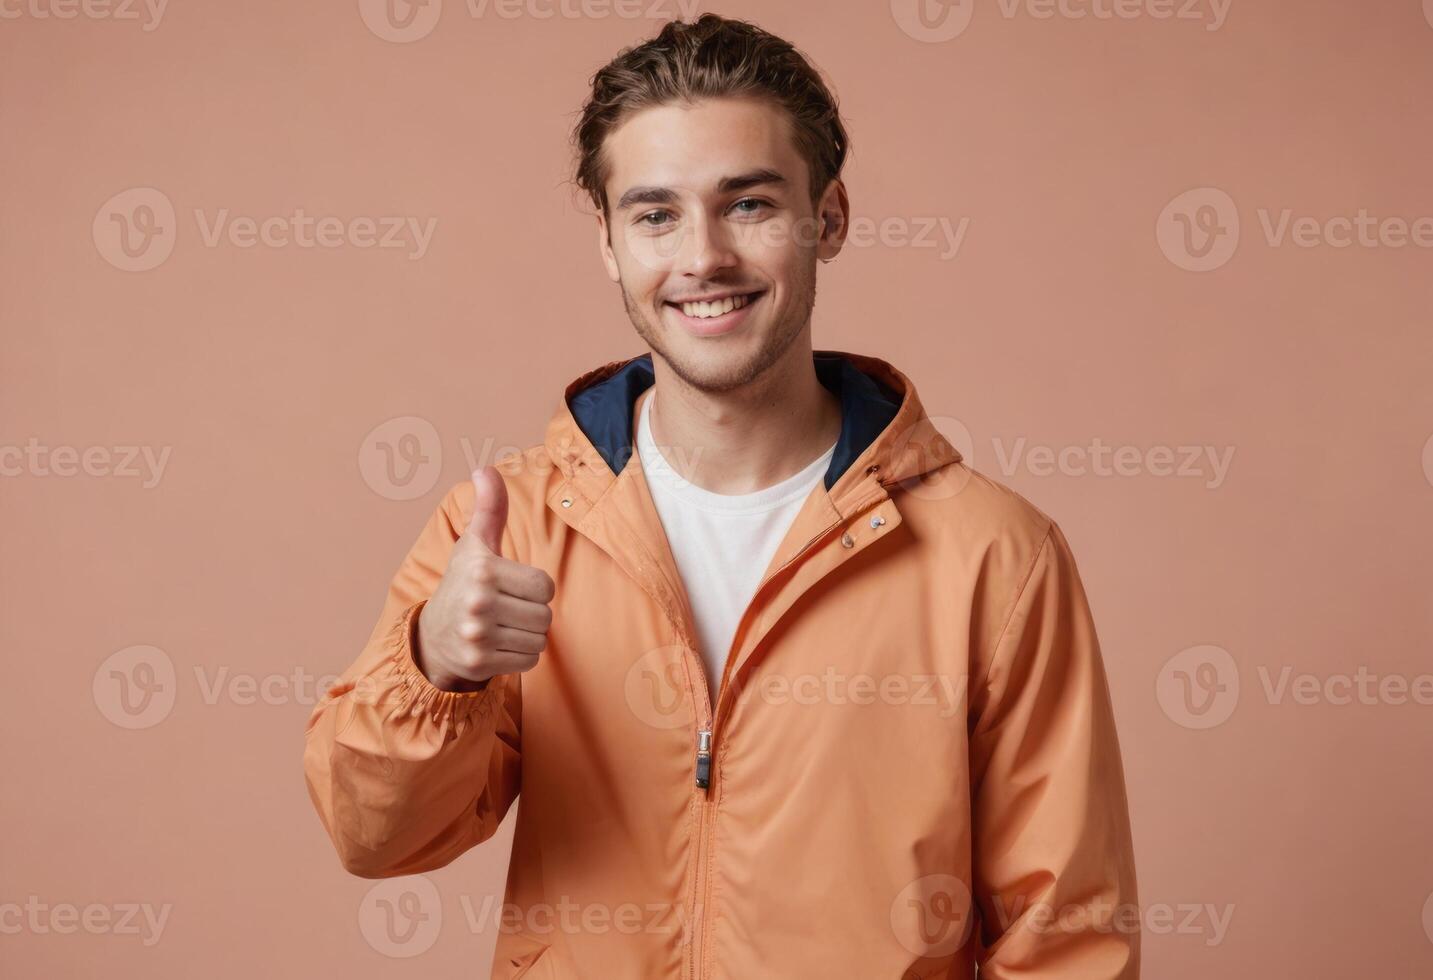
692	146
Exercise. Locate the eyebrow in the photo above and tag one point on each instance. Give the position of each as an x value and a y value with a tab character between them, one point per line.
727	185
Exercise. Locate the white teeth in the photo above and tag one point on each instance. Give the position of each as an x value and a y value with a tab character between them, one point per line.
718	308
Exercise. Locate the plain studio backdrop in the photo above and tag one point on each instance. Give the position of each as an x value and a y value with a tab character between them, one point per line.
1163	267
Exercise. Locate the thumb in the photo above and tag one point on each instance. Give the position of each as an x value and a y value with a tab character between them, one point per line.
490	508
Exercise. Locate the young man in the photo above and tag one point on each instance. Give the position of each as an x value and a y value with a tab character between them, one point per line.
788	690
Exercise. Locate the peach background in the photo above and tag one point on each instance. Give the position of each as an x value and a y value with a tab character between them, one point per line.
1061	320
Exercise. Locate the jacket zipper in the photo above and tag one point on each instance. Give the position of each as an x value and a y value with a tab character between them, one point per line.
704	758
699	886
699	800
706	738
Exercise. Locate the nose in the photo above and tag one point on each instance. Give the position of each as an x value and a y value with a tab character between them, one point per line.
706	249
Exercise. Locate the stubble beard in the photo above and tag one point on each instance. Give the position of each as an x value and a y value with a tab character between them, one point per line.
722	377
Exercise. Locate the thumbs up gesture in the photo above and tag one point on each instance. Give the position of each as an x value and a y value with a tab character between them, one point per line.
489	614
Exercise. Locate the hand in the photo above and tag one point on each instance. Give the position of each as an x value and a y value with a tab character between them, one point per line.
489	614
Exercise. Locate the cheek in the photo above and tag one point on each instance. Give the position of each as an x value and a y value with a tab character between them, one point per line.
648	252
777	246
641	277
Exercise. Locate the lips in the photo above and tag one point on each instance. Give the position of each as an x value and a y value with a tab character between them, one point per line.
714	306
714	318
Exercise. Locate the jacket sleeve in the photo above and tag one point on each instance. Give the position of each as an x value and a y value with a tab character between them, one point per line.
1053	858
405	776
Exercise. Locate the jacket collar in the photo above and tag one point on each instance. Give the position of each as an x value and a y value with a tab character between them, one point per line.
886	439
883	425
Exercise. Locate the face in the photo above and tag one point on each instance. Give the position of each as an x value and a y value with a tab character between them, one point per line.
712	236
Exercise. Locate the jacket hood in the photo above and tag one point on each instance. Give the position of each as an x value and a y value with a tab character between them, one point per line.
885	434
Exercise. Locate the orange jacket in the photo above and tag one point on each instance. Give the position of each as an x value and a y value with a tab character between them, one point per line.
910	766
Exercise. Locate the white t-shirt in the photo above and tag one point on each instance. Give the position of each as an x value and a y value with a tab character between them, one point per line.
722	543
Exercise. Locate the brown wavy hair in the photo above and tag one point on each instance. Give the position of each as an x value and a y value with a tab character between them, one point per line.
713	57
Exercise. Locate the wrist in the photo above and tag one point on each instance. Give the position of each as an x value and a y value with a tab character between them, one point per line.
441	679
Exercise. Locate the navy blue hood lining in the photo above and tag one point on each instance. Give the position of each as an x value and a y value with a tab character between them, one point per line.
603	411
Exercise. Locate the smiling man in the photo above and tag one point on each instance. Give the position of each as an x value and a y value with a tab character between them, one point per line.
784	688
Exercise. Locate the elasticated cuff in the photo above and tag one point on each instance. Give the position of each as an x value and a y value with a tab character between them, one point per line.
418	695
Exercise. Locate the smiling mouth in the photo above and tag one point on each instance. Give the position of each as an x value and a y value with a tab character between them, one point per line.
716	308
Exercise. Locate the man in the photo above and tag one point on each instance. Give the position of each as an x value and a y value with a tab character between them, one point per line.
787	689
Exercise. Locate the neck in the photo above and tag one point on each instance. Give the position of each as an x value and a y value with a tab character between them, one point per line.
747	439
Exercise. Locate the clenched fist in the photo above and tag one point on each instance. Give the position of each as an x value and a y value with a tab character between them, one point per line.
489	614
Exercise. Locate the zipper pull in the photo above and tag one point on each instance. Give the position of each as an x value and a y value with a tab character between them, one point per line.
704	758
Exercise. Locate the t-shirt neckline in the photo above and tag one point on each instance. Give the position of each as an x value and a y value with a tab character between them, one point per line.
656	467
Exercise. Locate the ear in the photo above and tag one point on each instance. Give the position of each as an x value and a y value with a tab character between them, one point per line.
604	245
834	214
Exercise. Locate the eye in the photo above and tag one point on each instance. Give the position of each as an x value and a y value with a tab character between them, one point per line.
756	204
646	222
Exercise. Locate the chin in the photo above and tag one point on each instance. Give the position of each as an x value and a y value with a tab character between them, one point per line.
721	364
